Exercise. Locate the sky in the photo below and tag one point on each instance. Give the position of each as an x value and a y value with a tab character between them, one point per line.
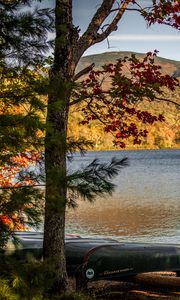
132	34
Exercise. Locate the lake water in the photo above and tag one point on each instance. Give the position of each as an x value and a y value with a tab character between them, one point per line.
145	206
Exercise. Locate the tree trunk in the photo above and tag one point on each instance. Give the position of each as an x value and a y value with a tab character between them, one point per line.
55	158
68	50
55	149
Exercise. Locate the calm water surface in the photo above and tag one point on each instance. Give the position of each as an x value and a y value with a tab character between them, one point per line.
145	205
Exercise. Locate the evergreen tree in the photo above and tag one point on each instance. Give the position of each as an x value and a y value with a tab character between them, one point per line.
23	33
69	47
24	39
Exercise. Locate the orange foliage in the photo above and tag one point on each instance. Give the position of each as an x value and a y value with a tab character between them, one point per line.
8	179
9	172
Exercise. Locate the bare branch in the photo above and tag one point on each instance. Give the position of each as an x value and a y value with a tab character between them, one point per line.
76	101
113	25
98	19
20	187
168	100
82	98
94	113
83	72
91	35
129	9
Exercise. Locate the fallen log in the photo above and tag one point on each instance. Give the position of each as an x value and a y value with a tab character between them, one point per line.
130	291
147	295
155	279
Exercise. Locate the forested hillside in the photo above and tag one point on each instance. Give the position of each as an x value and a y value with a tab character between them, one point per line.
161	135
168	66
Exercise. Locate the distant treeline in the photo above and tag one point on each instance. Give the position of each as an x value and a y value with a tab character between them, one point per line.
160	135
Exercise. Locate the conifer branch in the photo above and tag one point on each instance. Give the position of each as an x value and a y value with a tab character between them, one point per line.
95	179
80	145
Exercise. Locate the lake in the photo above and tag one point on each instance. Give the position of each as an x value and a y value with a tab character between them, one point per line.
145	206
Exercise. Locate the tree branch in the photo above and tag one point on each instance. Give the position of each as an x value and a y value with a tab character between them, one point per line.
94	113
129	9
83	72
20	187
168	100
79	99
91	35
113	25
98	19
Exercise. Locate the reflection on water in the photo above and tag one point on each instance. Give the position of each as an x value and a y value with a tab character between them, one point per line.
145	205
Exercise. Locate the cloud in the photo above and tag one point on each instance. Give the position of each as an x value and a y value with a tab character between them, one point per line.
143	37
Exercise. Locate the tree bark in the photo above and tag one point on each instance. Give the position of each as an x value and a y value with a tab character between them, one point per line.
55	149
68	50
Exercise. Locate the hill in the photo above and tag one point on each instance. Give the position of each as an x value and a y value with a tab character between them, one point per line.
169	66
161	135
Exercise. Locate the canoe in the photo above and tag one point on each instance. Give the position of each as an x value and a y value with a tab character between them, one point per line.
91	259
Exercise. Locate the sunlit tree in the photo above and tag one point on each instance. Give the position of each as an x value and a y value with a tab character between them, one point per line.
145	80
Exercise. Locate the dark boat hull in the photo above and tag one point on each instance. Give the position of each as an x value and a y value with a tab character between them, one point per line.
94	259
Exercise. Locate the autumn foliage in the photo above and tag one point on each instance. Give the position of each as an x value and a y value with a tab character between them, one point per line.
21	142
158	11
164	12
8	180
131	80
